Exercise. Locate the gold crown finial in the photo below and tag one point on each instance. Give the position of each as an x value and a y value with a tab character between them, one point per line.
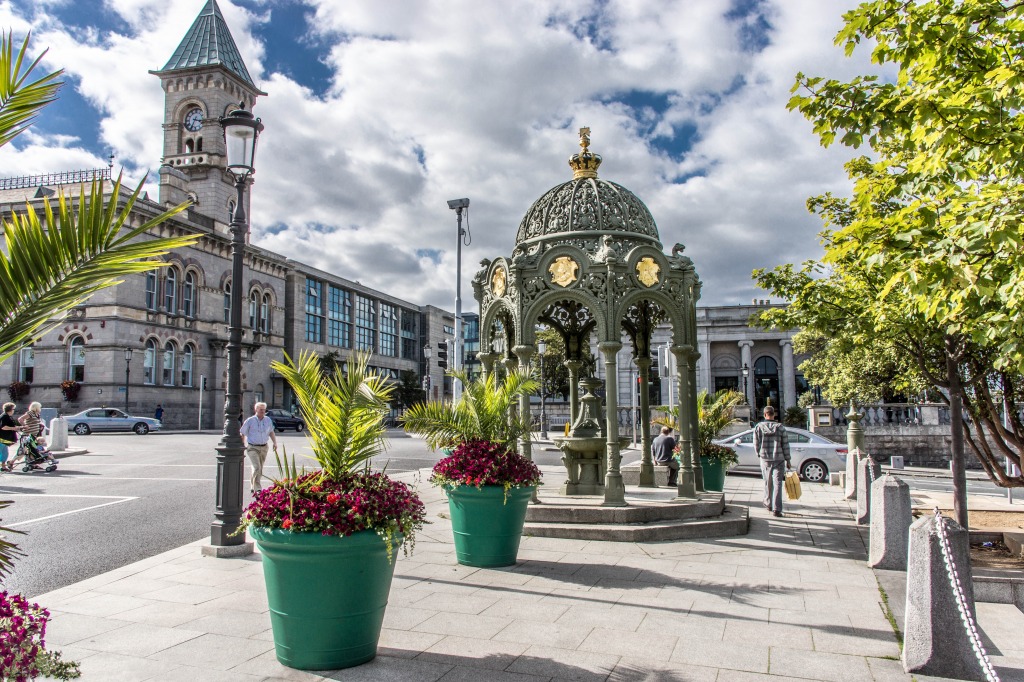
585	163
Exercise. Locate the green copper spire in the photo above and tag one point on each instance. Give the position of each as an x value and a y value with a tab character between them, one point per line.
209	43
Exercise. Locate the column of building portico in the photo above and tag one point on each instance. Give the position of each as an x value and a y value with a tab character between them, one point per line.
574	389
788	375
614	490
704	376
687	489
745	346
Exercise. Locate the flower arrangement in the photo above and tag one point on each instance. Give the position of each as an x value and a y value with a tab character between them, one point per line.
344	415
727	456
18	390
70	390
23	655
479	462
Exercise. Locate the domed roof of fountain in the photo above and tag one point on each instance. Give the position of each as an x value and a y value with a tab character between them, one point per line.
586	208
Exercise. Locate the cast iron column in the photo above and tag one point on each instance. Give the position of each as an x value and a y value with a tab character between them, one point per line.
574	390
698	470
646	463
525	355
687	489
614	490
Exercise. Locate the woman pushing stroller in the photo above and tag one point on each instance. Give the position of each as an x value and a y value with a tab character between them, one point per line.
32	448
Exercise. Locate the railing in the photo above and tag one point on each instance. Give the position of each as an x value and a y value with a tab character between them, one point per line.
64	178
894	414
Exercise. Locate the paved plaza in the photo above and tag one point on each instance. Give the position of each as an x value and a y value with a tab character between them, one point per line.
793	599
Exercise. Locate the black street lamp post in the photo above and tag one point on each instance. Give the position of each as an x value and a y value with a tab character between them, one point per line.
127	373
241	131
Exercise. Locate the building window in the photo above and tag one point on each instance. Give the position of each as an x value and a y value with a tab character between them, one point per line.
171	291
410	342
227	302
448	330
366	324
254	310
388	330
149	363
168	364
314	311
151	294
186	365
76	359
26	364
265	314
339	313
188	295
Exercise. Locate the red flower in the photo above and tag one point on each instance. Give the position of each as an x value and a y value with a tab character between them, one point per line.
286	524
333	499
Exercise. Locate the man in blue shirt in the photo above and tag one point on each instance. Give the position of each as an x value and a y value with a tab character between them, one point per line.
257	431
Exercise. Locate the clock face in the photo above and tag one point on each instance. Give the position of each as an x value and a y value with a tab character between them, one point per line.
194	119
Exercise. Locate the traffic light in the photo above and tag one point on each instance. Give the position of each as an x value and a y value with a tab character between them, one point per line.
426	382
204	382
442	354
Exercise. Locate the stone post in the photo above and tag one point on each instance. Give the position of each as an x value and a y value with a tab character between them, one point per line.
58	438
646	463
890	524
614	490
687	489
935	639
574	393
868	471
854	445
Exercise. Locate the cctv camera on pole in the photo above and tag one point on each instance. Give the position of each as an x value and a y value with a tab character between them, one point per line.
458	205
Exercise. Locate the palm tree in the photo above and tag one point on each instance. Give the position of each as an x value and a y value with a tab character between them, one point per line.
344	411
55	260
713	415
485	412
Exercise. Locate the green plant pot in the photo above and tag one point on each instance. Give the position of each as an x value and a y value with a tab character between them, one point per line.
327	595
487	528
714	474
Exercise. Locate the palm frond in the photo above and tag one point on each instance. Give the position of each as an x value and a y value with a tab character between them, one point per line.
486	411
344	412
57	260
21	100
8	550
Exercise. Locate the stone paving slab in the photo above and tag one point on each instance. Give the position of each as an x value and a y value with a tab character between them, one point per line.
793	599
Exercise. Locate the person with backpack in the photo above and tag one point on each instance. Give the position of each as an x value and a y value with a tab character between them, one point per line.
771	443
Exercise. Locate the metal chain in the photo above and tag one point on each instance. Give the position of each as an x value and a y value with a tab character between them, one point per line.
961	600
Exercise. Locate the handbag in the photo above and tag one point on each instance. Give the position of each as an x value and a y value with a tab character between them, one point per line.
792	485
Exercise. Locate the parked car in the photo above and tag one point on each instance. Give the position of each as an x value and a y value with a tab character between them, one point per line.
812	455
283	419
110	419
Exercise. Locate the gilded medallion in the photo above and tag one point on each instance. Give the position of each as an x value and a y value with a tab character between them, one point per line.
563	271
498	283
647	271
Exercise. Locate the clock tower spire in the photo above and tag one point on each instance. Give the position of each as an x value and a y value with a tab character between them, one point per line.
203	80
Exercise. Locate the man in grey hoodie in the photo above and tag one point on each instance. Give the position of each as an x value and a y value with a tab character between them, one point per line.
772	447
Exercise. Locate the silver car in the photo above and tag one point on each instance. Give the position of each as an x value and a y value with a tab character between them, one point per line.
812	455
110	419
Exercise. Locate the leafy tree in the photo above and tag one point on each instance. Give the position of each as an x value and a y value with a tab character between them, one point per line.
556	374
409	390
933	232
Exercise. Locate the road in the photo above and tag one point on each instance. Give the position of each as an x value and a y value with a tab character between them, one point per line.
130	497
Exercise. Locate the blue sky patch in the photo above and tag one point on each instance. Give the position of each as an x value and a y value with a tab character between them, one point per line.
292	49
433	255
753	28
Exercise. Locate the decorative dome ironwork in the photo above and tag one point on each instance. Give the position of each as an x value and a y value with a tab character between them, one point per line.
587	207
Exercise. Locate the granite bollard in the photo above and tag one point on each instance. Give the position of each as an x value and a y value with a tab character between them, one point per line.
868	471
936	641
891	517
58	439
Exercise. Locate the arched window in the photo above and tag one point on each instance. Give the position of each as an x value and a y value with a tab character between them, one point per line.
199	144
188	295
265	314
76	359
27	364
186	365
189	146
227	302
168	364
149	363
254	306
171	291
151	290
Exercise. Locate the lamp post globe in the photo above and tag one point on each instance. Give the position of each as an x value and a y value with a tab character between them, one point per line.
241	132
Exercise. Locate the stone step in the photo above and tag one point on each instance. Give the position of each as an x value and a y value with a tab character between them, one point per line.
733	521
570	510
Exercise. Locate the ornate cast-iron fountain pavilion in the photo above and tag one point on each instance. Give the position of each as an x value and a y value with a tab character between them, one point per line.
588	260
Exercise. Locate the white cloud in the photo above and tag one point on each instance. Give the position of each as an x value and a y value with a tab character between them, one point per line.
490	97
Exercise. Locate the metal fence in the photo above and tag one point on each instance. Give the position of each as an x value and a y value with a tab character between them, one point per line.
64	178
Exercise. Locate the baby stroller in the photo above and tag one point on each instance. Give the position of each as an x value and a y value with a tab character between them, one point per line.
34	455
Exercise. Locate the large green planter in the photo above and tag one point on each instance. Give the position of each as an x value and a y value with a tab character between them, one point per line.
487	527
714	474
327	595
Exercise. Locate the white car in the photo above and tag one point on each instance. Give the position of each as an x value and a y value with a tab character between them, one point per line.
812	455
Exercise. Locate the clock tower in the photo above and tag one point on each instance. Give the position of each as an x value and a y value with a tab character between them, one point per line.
204	79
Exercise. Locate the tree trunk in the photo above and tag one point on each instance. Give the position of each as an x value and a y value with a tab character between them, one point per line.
956	421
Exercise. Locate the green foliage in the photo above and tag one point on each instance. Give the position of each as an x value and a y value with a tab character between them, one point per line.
344	412
713	415
556	374
795	416
487	411
409	390
8	550
21	99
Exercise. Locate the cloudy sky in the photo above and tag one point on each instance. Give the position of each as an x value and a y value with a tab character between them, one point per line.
378	111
